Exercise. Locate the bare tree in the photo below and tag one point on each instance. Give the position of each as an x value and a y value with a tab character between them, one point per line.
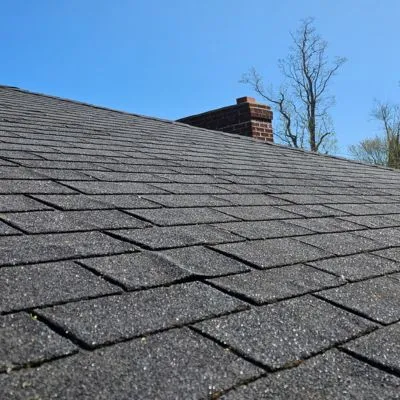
383	149
389	117
302	100
371	151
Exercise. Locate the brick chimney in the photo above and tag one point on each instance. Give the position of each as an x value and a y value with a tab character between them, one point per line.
246	118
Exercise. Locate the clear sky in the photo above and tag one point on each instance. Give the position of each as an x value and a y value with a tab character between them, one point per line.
179	57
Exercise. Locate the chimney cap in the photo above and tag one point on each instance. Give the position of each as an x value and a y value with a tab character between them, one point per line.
245	99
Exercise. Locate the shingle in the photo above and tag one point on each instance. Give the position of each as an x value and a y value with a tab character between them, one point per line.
373	221
43	284
111	319
124	200
20	203
377	298
111	176
253	213
52	247
17	173
280	334
170	365
176	236
181	216
24	340
392	254
62	174
273	252
326	225
247	189
312	210
7	229
263	229
137	270
186	200
187	188
200	260
192	178
113	187
73	201
330	376
380	347
64	221
340	243
358	266
32	187
317	198
385	236
277	283
357	209
251	199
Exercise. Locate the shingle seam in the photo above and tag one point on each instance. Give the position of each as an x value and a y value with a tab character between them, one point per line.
291	364
72	258
59	329
32	309
373	363
35	364
12	225
255	304
348	309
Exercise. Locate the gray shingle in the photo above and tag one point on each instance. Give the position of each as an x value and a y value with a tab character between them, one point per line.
340	243
373	221
254	213
330	376
263	229
124	200
36	285
392	254
381	347
137	270
326	225
32	187
202	261
113	187
280	334
170	365
186	200
385	236
51	247
273	252
25	340
377	298
181	216
72	201
64	221
187	188
357	209
7	229
251	199
111	319
312	211
358	266
177	236
277	283
20	203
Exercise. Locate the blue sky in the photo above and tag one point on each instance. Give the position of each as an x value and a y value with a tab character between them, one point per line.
179	57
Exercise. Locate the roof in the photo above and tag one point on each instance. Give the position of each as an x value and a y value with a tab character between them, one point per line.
143	258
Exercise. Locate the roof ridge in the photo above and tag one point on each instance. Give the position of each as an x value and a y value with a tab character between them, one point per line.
191	126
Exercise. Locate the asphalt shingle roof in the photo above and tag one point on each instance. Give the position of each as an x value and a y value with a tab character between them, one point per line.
142	258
